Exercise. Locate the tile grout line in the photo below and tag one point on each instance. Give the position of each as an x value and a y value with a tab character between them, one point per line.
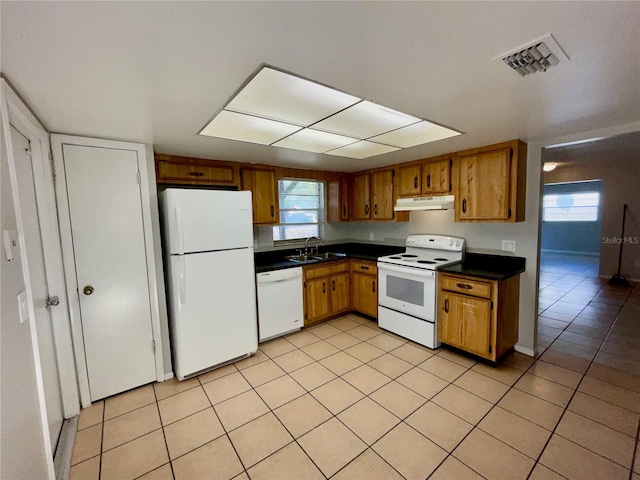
164	436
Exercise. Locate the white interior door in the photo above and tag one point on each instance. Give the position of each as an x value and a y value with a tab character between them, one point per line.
38	283
105	209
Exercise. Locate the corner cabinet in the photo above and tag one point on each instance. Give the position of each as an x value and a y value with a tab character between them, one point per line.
264	185
491	183
326	291
373	196
477	315
364	288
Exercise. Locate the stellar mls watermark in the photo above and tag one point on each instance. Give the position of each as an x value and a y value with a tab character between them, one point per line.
618	240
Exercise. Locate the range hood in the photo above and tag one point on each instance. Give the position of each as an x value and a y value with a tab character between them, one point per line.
443	202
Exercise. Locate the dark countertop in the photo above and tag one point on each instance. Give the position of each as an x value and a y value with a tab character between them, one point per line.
490	267
274	259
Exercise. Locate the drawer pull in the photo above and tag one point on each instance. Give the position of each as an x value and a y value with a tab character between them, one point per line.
446	305
364	267
196	174
464	285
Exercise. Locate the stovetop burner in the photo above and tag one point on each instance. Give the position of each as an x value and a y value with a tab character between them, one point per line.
428	252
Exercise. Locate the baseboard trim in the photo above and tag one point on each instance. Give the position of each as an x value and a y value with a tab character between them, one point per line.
570	252
524	350
64	451
608	277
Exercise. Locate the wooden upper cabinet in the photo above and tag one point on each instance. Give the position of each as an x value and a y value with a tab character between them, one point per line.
382	195
430	177
361	197
171	169
264	186
491	183
437	177
344	199
409	182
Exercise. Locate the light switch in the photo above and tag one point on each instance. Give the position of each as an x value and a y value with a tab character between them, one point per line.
23	309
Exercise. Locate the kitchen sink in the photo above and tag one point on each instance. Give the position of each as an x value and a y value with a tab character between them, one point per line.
302	258
328	255
311	257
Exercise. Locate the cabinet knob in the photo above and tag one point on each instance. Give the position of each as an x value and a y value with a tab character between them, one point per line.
273	211
428	180
366	209
324	287
88	290
333	285
375	209
373	287
415	182
446	305
464	205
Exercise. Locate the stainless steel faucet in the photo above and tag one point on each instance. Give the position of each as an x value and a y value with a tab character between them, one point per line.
306	244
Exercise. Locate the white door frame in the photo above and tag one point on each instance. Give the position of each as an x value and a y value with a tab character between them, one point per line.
57	141
15	113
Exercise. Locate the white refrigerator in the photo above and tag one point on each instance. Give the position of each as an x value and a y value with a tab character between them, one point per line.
208	242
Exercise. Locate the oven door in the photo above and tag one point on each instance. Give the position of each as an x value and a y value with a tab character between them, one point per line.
407	290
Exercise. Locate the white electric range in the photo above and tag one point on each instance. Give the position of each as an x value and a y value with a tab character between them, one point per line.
407	293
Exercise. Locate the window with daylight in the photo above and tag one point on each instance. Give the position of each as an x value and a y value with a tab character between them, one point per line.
301	209
571	207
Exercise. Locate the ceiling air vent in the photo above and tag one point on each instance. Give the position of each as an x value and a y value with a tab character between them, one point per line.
537	56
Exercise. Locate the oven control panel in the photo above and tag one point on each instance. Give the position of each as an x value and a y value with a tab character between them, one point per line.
436	242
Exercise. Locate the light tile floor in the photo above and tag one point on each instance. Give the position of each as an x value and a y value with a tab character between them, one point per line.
347	400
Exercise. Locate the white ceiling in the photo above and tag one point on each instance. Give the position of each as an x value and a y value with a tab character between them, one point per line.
157	72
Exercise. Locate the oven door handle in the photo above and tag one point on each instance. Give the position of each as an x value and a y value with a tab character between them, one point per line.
418	272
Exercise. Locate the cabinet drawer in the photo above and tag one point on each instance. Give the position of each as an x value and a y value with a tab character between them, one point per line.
168	171
362	266
466	286
316	271
339	267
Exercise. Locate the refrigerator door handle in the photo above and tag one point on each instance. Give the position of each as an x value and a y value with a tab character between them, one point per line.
183	281
180	231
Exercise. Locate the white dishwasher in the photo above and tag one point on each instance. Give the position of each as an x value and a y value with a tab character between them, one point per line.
280	308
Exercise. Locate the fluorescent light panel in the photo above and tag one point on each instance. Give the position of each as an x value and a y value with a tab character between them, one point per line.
274	106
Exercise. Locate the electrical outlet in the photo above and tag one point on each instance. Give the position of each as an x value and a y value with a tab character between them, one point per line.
509	245
371	236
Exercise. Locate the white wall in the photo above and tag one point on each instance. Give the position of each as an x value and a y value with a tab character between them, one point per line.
22	442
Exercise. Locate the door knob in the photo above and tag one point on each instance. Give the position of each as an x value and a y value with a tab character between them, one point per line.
88	290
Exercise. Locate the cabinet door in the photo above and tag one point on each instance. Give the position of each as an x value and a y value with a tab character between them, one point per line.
340	293
344	199
465	322
483	186
316	300
264	186
361	197
437	177
409	184
365	294
382	195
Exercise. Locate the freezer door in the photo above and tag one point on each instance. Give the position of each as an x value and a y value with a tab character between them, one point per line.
213	309
206	220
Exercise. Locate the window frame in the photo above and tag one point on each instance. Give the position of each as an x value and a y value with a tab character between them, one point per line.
321	212
546	208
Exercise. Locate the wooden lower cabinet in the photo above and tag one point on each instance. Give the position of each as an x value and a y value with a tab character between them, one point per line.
478	316
326	291
364	287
